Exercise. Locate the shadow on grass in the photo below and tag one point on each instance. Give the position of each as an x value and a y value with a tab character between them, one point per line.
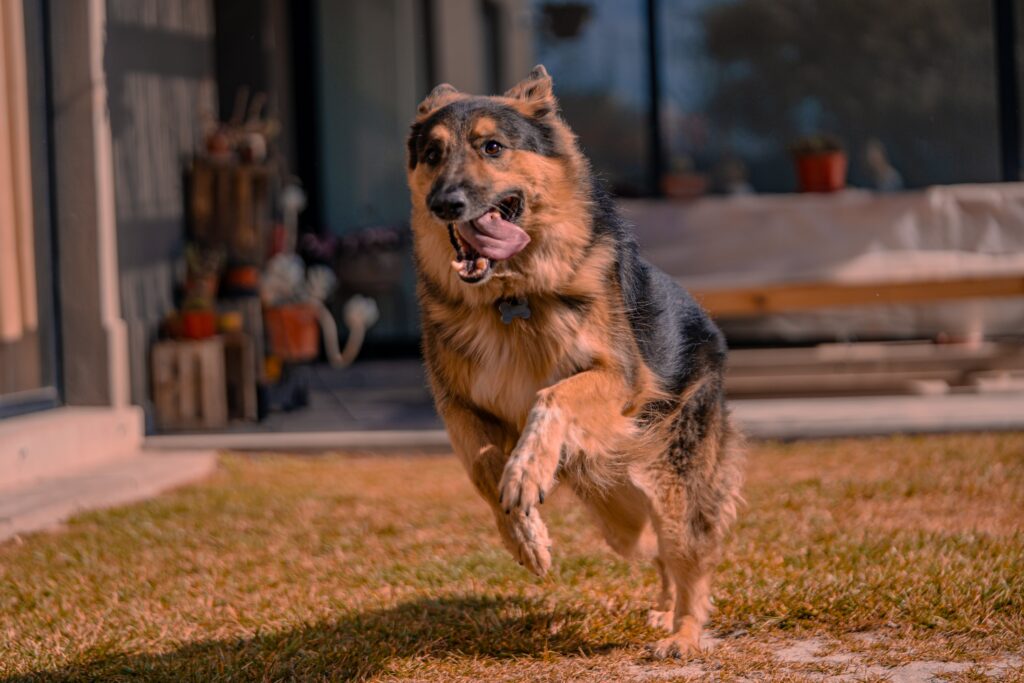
356	647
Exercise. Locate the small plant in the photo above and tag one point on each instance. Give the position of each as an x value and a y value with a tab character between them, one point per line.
822	143
820	163
204	268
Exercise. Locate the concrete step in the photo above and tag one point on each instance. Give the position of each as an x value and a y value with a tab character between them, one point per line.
47	502
60	442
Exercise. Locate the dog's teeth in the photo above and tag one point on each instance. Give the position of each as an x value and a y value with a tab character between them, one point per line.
480	263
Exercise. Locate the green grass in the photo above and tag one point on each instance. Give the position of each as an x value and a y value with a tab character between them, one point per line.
341	568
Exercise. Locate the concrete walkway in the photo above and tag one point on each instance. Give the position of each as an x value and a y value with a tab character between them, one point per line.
385	404
48	502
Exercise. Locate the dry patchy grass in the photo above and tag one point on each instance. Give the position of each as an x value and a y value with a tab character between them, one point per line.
853	558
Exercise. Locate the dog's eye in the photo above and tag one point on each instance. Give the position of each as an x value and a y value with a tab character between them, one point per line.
492	148
432	156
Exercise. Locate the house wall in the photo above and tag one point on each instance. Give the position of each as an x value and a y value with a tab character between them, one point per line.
94	341
28	363
97	424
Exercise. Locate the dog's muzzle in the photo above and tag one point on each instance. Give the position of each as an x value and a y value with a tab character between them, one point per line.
492	236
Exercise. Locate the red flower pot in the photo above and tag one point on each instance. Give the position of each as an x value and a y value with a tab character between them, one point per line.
821	172
198	324
294	332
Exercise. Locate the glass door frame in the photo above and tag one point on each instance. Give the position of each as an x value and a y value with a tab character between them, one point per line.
37	38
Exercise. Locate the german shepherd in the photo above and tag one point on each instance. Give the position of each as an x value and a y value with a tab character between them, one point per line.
556	353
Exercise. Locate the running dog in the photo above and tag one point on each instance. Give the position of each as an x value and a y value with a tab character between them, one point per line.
555	353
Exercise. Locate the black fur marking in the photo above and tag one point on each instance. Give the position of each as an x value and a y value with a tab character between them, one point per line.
701	523
446	336
485	416
677	340
522	132
691	427
434	290
412	144
577	303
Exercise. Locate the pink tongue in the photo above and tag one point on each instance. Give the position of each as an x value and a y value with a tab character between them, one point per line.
494	237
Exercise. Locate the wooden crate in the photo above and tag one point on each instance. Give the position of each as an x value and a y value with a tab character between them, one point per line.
240	366
229	207
251	310
189	384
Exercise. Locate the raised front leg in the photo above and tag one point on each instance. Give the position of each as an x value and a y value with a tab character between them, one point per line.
583	413
481	445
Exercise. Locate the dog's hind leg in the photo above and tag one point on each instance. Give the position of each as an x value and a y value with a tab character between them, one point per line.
685	557
694	491
481	445
690	575
660	616
621	513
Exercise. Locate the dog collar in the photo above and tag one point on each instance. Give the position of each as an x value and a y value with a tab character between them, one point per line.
512	307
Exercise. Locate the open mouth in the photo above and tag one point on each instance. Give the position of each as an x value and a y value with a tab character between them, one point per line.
492	236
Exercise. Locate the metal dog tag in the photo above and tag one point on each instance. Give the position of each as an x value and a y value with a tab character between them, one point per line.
511	309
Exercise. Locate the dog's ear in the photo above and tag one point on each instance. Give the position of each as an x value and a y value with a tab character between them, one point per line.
438	96
536	92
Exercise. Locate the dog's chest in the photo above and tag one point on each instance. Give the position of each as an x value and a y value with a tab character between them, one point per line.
513	363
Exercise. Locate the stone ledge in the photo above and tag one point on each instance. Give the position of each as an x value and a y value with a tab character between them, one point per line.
62	441
46	503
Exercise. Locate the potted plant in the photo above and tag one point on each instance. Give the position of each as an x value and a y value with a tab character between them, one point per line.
370	261
198	318
821	163
683	181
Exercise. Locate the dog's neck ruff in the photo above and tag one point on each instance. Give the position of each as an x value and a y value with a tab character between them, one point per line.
512	307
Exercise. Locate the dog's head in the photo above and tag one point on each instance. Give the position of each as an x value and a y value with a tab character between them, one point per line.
486	175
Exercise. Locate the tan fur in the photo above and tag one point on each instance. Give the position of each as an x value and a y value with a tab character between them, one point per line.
556	396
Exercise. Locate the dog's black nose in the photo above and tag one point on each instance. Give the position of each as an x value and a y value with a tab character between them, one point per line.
449	203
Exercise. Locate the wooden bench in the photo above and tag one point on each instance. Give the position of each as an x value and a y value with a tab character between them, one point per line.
786	298
867	368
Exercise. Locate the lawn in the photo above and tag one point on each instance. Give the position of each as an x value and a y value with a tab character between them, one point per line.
869	559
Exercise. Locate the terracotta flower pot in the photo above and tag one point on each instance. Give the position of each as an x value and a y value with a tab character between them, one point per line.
684	185
294	332
821	171
198	324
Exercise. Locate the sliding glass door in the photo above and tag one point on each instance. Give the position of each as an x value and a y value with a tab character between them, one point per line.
29	377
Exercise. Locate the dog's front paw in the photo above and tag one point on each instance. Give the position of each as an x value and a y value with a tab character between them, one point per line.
530	544
523	485
530	471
